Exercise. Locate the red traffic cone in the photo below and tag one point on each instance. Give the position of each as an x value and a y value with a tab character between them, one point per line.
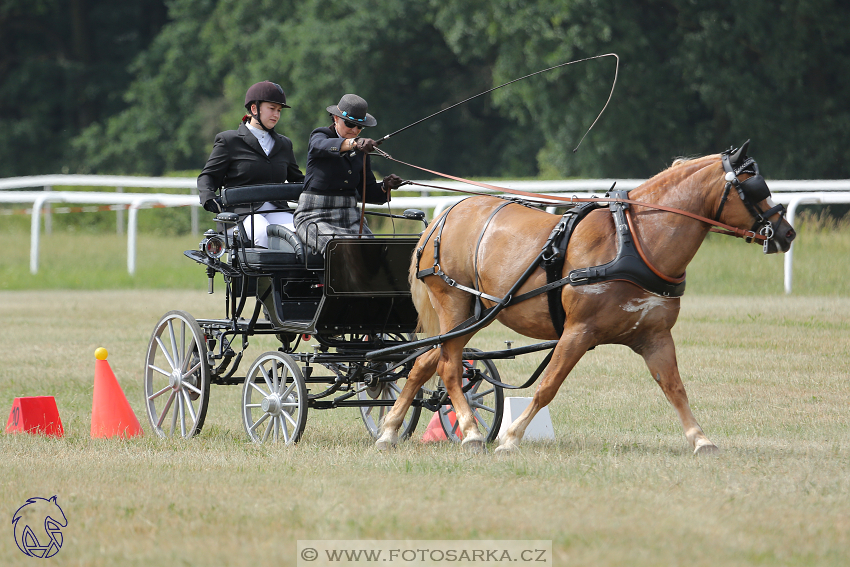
36	414
111	414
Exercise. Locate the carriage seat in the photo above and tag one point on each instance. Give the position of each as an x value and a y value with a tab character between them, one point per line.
248	195
286	240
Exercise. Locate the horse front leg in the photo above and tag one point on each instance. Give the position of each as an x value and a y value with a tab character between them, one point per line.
660	358
422	370
570	348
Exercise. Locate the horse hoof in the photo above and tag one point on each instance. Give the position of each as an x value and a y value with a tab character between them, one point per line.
474	446
507	449
382	446
706	449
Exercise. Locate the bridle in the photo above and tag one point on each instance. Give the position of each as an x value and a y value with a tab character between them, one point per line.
752	191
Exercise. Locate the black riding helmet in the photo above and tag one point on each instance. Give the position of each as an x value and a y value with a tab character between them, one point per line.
265	91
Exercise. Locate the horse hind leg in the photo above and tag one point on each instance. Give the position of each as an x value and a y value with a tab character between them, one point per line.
422	370
661	361
450	369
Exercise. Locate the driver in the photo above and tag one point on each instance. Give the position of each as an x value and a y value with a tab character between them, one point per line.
253	154
335	176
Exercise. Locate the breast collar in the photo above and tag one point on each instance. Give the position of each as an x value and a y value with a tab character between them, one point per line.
628	265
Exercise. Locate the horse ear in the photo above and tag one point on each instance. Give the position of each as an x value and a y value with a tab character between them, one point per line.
739	154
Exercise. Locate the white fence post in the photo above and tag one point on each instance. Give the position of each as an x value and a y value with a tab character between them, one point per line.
119	215
48	217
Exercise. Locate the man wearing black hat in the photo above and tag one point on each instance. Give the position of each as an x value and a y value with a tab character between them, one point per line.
253	154
335	176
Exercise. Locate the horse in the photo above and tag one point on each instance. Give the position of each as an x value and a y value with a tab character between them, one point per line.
486	246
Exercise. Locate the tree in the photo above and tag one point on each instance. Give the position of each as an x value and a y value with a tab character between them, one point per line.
63	65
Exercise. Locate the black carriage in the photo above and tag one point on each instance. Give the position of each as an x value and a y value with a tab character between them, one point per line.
352	301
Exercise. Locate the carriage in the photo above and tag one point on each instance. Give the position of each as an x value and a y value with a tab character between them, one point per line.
347	304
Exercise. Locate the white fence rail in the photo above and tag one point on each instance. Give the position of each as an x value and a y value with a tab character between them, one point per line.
791	193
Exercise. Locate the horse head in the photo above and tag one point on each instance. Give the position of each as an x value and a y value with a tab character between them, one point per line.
766	217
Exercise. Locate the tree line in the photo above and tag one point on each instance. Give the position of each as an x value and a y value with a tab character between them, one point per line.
142	86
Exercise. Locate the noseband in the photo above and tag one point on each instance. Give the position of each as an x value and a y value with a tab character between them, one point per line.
752	191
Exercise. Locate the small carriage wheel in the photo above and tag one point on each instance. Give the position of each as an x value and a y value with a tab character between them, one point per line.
274	400
486	401
373	415
177	376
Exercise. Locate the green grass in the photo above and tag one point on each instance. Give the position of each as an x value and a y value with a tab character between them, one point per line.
767	379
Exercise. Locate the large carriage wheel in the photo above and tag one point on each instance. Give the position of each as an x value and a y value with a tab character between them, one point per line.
486	401
373	415
274	399
177	376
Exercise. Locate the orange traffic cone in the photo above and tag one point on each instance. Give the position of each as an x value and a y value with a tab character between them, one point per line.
35	414
111	414
434	432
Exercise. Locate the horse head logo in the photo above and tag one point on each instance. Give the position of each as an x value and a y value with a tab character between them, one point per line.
38	527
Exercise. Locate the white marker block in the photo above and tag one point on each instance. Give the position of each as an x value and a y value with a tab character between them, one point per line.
539	428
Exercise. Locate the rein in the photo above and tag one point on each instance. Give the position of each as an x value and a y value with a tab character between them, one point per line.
717	226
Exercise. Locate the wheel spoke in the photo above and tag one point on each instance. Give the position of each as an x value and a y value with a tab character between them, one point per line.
288	390
165	409
480	419
192	387
266	378
259	421
288	418
191	371
158	394
268	430
482	406
394	387
253	405
166	354
160	370
260	390
189	406
182	407
175	352
286	436
174	413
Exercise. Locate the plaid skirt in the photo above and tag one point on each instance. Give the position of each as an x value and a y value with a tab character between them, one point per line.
319	218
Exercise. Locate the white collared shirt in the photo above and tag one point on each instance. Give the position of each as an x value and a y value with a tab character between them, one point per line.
265	139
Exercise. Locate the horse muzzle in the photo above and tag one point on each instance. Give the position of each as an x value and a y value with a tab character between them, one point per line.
783	235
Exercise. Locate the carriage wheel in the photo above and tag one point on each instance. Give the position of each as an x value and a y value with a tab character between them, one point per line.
274	400
177	376
373	415
486	401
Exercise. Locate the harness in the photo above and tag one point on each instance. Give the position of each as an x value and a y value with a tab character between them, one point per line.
628	265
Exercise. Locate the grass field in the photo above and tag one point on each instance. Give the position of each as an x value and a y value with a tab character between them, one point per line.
767	378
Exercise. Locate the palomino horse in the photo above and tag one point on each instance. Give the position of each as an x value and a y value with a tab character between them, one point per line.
489	253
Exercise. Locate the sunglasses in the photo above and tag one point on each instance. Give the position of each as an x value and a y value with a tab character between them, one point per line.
352	125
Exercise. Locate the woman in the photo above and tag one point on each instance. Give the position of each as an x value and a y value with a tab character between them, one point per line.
334	185
253	154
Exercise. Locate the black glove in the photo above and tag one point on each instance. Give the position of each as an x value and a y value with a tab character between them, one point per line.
213	205
366	144
392	181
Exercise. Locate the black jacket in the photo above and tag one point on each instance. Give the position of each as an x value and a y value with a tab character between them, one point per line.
237	159
330	172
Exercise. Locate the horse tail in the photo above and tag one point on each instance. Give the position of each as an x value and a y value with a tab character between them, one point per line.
429	322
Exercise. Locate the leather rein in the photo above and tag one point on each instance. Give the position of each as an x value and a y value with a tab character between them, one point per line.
716	225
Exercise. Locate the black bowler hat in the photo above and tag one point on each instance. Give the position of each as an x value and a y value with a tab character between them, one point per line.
353	108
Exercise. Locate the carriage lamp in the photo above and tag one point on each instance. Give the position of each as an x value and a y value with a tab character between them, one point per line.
212	245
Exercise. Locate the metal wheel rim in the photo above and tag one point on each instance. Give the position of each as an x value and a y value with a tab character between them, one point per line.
485	400
176	382
274	400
